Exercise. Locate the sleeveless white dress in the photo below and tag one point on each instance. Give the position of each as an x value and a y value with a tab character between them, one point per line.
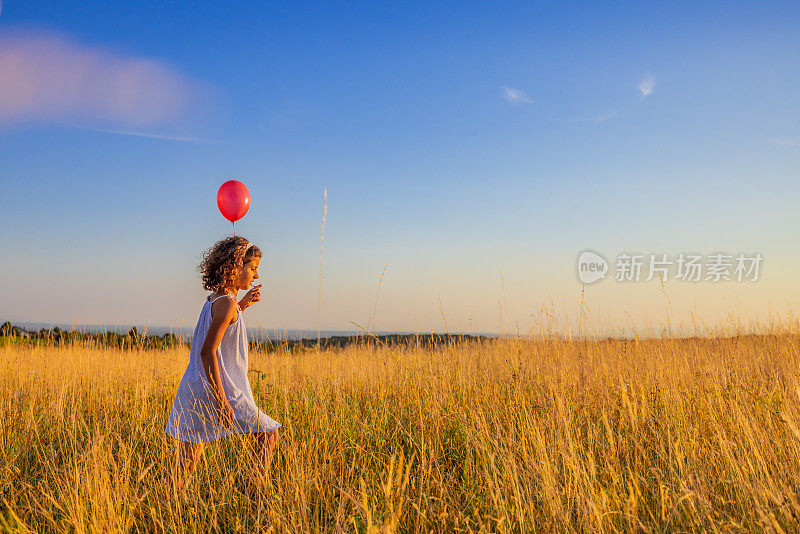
194	412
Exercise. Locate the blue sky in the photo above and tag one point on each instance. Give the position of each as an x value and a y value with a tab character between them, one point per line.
457	141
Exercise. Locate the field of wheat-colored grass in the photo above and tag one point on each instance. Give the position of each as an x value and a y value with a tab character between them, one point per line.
504	435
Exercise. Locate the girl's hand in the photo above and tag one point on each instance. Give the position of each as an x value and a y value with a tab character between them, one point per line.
251	297
225	413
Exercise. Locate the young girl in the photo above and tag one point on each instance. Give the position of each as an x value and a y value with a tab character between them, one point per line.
214	398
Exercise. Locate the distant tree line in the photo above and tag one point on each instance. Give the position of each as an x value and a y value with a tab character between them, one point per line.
389	340
55	335
136	340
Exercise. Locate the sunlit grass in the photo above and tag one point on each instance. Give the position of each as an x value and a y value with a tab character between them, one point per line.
504	435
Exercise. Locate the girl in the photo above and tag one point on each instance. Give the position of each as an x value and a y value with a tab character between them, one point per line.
214	398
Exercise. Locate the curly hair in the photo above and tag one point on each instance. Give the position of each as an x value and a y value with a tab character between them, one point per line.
221	264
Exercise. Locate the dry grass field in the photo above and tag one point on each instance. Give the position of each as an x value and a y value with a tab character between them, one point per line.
503	436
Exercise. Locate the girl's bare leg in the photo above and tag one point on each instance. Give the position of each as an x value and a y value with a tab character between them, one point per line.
188	457
262	453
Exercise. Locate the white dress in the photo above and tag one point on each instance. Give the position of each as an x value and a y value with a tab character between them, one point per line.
194	413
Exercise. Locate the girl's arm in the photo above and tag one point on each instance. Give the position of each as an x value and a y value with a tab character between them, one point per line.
250	298
223	312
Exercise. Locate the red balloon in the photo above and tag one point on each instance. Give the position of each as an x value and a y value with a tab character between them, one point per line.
233	200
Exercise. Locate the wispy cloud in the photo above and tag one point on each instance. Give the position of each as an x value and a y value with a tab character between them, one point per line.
597	118
46	77
605	117
515	96
786	141
647	85
150	135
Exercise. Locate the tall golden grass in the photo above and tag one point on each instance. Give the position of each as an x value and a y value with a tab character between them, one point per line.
505	435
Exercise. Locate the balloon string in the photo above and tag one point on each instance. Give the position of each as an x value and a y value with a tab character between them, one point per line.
233	223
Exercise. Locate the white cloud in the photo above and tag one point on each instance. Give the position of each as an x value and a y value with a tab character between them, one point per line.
45	77
786	141
151	135
515	96
597	118
647	85
605	117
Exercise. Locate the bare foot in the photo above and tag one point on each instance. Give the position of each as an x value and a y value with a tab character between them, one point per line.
258	483
175	489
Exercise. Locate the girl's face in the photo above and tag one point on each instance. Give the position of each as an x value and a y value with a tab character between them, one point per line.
248	274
